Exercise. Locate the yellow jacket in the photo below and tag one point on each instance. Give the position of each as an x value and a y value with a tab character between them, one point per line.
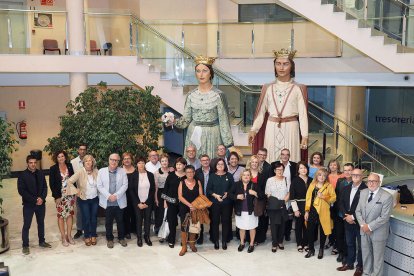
322	206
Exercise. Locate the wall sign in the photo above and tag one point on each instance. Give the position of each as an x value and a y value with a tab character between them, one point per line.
43	20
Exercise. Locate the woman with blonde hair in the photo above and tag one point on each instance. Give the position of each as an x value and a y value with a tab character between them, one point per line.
87	192
259	179
319	197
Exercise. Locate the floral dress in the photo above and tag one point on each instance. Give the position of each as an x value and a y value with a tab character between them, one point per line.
66	206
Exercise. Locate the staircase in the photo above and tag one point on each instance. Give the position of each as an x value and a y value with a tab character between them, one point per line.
354	32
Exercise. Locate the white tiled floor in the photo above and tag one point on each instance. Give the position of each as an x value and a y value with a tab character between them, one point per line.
156	260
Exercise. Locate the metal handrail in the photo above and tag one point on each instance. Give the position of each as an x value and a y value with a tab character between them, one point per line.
352	143
362	133
247	90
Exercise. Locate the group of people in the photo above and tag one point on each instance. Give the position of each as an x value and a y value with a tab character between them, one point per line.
262	195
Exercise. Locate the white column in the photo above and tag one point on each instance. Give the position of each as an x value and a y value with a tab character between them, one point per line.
212	16
76	39
410	27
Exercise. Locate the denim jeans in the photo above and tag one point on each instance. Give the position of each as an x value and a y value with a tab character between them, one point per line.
352	237
89	209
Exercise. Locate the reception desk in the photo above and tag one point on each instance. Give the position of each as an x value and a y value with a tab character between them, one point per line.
399	253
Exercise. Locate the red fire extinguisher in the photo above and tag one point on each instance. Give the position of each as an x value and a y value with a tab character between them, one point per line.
21	129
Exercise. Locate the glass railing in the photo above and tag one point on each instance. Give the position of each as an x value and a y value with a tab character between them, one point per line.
251	40
390	17
23	31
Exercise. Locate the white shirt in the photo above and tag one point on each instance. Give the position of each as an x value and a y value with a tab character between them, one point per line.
375	193
354	190
77	164
276	188
150	167
143	187
91	189
286	174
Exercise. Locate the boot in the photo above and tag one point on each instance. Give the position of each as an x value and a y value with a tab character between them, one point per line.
192	242
183	243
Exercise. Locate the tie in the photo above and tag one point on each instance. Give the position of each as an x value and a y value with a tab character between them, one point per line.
370	197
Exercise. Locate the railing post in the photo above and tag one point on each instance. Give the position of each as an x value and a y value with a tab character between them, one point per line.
244	114
365	10
404	28
337	138
9	33
324	145
218	42
253	41
182	38
130	36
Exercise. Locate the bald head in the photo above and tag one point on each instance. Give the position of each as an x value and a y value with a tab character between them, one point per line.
356	177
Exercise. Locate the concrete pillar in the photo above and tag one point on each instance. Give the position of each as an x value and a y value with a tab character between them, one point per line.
212	16
76	39
349	107
410	27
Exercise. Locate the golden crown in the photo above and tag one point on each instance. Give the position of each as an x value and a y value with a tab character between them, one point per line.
204	60
284	53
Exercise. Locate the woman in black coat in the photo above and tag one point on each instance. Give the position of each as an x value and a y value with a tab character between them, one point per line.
58	175
243	193
142	193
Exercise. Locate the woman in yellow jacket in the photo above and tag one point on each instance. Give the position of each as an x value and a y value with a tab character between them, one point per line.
319	197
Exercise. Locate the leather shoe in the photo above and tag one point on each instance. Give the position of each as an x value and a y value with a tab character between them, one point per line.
250	249
139	242
128	236
78	234
320	255
216	245
340	258
240	248
147	241
358	271
345	267
224	245
310	253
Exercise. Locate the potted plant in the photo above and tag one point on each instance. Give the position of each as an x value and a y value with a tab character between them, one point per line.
7	147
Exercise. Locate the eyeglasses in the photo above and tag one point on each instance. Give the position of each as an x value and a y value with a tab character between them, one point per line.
356	175
372	181
113	160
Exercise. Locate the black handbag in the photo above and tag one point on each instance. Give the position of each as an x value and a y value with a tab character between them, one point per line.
273	203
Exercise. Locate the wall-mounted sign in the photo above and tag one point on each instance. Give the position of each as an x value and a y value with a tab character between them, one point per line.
46	2
22	104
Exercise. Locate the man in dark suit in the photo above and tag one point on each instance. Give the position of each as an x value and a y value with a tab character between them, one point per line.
338	215
290	172
266	168
32	187
373	215
202	174
347	205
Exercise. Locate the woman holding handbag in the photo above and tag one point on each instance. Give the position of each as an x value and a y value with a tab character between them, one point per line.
244	193
188	190
170	196
297	195
277	195
319	197
160	177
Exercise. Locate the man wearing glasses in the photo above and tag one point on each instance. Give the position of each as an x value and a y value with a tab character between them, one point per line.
266	168
153	164
373	215
112	184
347	205
192	160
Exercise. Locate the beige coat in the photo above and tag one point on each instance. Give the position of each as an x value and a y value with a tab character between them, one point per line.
81	178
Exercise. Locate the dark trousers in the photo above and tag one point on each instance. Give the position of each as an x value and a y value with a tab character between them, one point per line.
261	229
277	231
143	215
111	213
78	215
340	235
352	237
129	217
288	227
89	210
220	213
159	210
300	231
313	223
332	236
28	211
172	213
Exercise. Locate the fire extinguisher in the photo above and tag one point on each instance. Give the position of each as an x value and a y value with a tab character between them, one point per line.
21	129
